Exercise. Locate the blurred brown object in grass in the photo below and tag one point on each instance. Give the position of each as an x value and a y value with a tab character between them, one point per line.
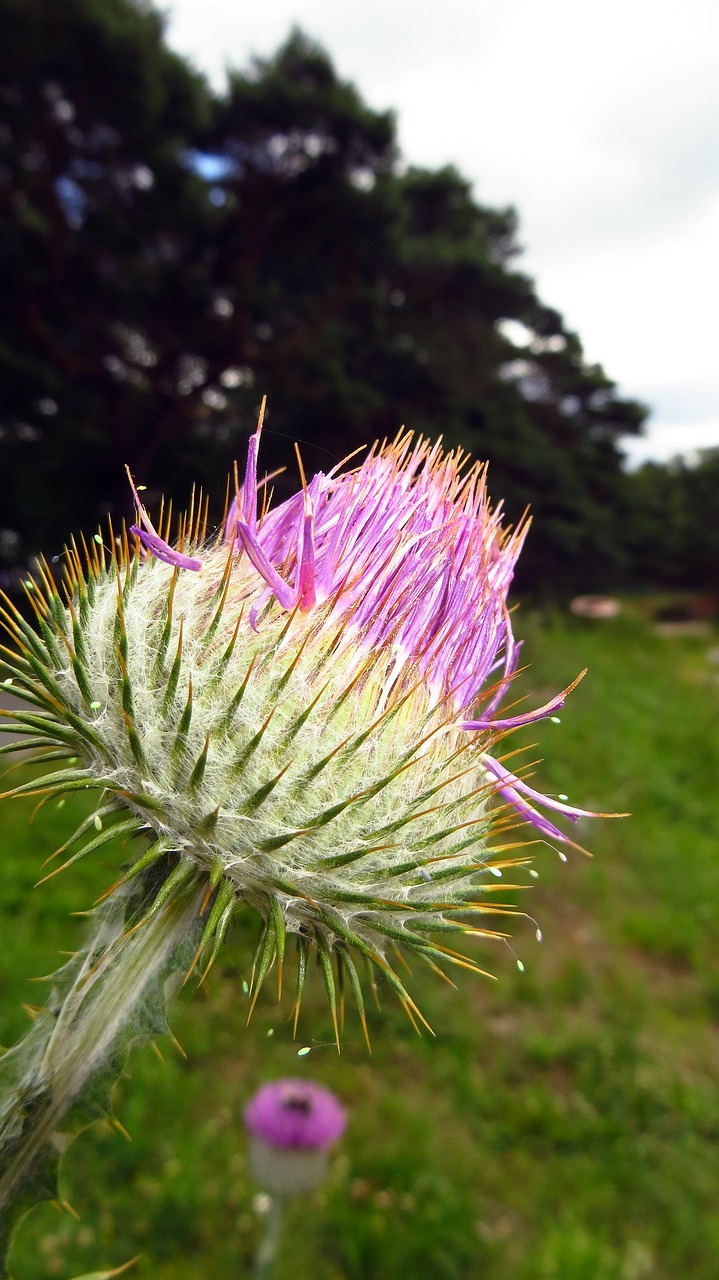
595	607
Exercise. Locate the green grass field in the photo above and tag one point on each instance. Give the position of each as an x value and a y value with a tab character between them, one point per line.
565	1120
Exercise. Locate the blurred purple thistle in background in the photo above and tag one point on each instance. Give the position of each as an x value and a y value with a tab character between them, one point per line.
296	1114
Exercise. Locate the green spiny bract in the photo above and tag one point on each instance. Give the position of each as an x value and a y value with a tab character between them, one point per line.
287	765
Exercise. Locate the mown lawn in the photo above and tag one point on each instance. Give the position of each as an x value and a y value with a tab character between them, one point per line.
565	1120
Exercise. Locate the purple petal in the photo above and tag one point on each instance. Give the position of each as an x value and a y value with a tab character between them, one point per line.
513	789
285	594
306	593
527	717
162	550
249	488
151	540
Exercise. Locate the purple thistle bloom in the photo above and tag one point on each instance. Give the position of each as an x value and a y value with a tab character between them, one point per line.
407	547
308	721
296	1114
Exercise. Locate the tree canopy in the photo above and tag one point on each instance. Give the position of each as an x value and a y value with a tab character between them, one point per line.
172	254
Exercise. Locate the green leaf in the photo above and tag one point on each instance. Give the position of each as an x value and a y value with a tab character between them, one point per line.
113	992
107	1275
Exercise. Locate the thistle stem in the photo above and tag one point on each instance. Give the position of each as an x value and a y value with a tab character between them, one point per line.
60	1076
267	1251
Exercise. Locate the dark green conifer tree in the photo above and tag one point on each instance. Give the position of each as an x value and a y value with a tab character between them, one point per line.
171	255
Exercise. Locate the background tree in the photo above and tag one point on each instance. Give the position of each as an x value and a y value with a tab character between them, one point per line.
173	254
671	528
97	210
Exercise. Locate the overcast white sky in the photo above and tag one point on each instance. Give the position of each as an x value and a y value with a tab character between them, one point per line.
599	122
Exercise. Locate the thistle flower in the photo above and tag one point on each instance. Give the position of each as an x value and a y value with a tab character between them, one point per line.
293	1124
301	713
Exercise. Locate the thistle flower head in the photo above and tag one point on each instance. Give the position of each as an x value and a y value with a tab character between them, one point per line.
301	711
293	1124
296	1114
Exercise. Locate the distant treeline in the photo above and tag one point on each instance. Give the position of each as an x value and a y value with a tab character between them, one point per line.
171	254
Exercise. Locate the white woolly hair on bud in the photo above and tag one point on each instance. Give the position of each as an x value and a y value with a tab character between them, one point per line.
303	771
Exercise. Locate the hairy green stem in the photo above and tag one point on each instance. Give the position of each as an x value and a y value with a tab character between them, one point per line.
60	1076
267	1251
